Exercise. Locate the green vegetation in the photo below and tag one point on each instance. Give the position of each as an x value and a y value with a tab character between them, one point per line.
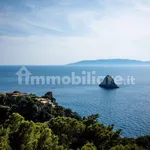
27	124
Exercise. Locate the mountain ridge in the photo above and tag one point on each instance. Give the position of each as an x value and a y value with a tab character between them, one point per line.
111	62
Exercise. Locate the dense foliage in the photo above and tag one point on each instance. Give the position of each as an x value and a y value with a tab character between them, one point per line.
31	109
27	124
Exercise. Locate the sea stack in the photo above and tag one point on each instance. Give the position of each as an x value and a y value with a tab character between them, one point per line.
108	83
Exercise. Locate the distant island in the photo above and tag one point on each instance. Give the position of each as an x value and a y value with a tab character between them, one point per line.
109	62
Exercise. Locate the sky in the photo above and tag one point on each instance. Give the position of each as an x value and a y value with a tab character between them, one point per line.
56	32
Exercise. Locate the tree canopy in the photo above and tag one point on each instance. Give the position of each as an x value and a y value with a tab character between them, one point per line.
27	124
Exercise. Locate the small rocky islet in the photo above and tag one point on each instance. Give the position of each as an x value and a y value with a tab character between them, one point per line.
109	83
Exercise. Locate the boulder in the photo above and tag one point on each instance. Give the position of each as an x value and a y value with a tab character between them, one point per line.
108	83
16	92
49	95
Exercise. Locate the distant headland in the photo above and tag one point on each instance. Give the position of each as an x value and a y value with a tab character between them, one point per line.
110	62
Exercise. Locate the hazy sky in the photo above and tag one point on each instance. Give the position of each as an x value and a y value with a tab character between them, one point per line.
63	31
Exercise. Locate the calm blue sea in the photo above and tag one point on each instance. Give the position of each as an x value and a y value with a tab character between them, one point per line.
127	107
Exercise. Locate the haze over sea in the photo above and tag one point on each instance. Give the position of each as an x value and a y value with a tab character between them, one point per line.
127	107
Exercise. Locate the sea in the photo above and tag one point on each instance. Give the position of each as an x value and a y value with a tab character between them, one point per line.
127	107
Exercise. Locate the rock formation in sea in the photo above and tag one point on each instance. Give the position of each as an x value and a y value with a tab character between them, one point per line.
108	83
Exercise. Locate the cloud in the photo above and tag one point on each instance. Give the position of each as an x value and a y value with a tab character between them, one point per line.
68	31
39	50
